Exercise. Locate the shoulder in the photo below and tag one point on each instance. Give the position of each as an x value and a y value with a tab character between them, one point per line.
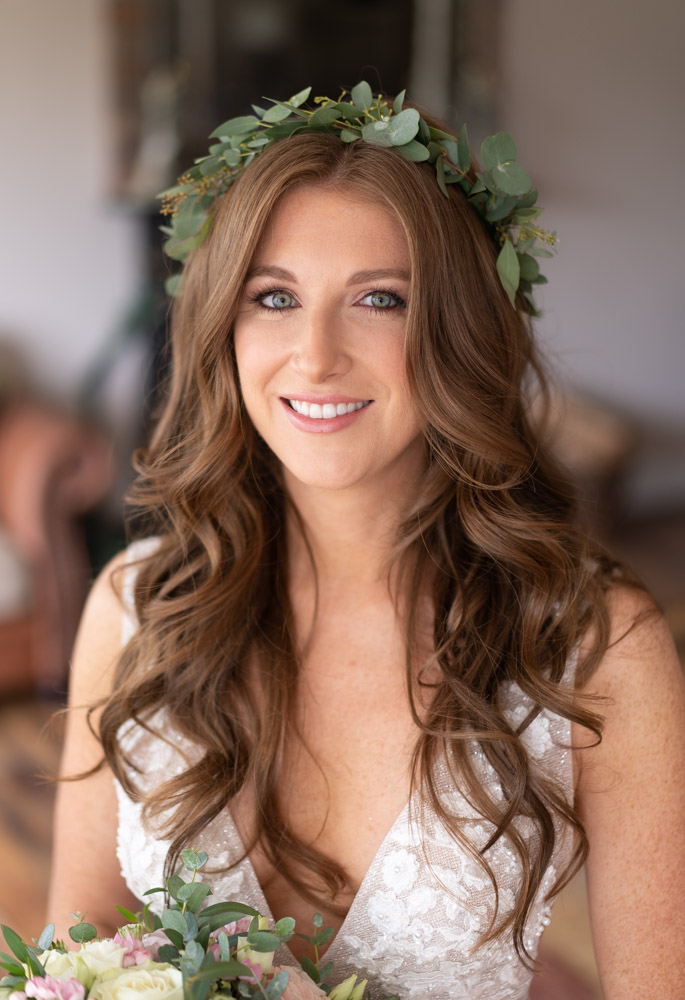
105	625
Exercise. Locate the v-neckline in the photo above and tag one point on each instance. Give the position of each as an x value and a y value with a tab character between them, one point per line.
265	910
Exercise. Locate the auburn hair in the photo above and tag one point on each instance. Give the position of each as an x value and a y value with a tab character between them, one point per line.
516	583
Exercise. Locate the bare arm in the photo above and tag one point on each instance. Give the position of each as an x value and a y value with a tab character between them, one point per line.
85	870
631	795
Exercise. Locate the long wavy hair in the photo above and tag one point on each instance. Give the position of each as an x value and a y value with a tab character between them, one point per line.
515	582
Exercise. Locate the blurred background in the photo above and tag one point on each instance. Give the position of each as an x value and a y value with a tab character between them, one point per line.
101	102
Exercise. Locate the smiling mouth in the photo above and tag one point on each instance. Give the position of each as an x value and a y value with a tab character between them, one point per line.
325	411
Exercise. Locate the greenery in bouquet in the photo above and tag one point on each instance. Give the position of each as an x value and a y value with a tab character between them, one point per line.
189	951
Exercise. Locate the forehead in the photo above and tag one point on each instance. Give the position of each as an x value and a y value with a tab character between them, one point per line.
340	223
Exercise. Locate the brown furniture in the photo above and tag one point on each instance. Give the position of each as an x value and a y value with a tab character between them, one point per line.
53	468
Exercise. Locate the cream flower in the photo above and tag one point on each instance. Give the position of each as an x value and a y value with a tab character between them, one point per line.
152	982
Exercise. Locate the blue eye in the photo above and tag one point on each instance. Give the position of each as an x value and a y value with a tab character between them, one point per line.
383	301
277	299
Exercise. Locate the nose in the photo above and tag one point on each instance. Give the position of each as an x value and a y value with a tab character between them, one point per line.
320	352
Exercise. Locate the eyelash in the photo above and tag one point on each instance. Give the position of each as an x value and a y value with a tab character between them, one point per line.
257	296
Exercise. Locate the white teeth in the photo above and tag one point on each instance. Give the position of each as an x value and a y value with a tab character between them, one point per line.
326	411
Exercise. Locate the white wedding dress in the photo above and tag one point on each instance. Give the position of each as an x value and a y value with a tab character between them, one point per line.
417	916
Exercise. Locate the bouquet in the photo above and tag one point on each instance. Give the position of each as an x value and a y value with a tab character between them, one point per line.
190	951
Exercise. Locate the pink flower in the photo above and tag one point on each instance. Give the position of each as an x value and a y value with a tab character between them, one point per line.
48	988
135	953
300	986
153	941
241	926
256	970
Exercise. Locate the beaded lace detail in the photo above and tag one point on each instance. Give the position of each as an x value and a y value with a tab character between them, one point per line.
415	921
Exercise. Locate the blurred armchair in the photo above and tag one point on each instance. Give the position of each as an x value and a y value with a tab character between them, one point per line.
53	468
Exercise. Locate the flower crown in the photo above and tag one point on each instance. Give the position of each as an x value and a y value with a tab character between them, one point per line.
502	193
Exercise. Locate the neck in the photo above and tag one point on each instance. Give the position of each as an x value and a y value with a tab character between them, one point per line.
352	532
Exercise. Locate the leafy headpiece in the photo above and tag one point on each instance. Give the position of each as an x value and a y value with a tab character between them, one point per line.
502	192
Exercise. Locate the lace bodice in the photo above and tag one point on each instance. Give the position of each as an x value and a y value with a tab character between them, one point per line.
424	901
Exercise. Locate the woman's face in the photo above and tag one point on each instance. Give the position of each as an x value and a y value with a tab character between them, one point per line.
319	342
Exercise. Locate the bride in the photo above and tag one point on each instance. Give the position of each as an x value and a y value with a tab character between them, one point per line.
363	654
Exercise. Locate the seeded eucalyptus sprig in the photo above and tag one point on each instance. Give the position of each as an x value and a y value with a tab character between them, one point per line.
502	191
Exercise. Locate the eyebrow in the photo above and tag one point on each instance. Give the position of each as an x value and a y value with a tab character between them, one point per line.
358	278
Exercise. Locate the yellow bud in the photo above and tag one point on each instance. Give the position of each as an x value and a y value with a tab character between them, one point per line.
343	991
358	992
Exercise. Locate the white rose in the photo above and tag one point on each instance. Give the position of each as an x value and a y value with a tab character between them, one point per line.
64	965
152	981
99	957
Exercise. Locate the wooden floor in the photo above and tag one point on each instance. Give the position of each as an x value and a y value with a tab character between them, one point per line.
30	746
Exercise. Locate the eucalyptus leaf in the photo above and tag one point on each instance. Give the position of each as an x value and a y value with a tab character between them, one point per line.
80	933
414	151
403	127
222	970
464	151
347	111
235	126
263	941
277	986
440	174
276	113
529	199
284	129
322	936
10	965
362	96
347	135
509	270
498	149
325	970
174	920
541	252
511	178
232	157
378	133
230	911
47	936
323	117
258	111
168	953
399	101
317	920
311	970
526	214
211	165
300	97
284	928
530	268
500	208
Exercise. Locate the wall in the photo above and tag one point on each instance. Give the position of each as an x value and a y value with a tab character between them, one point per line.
593	93
68	254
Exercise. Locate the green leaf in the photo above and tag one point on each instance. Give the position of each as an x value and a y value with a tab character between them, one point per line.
511	178
174	920
263	941
194	860
174	883
404	127
323	116
348	111
529	199
232	157
440	174
47	936
175	937
82	932
300	97
221	970
151	892
477	187
258	111
194	895
463	150
414	151
509	270
276	113
168	953
347	135
311	970
526	214
398	102
229	910
437	133
10	982
325	970
277	986
284	928
500	208
212	165
15	943
378	133
362	96
497	149
236	126
541	252
284	129
324	935
317	920
530	268
8	963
